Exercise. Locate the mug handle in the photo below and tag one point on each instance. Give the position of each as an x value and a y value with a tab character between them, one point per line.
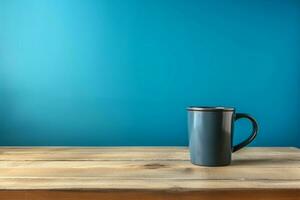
253	134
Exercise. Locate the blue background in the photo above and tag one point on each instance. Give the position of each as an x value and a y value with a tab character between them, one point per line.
116	72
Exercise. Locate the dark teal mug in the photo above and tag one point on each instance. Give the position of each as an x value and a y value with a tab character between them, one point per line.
211	134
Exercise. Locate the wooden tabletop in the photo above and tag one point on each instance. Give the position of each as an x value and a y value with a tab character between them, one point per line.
157	172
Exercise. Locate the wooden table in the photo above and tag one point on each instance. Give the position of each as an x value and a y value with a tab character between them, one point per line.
144	173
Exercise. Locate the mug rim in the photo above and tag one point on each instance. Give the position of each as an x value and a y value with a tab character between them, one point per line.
210	108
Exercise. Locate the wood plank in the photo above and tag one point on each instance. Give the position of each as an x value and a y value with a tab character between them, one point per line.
236	163
151	168
207	174
142	170
134	154
92	183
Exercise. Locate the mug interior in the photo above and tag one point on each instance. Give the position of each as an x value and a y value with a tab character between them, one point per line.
210	108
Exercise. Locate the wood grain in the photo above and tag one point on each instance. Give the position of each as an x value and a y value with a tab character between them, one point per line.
132	172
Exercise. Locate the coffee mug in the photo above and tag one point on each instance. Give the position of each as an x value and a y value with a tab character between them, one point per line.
211	134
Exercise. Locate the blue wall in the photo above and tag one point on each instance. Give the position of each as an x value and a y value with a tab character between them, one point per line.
115	72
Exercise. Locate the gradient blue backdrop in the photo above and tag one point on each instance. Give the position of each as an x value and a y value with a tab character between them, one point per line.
121	72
